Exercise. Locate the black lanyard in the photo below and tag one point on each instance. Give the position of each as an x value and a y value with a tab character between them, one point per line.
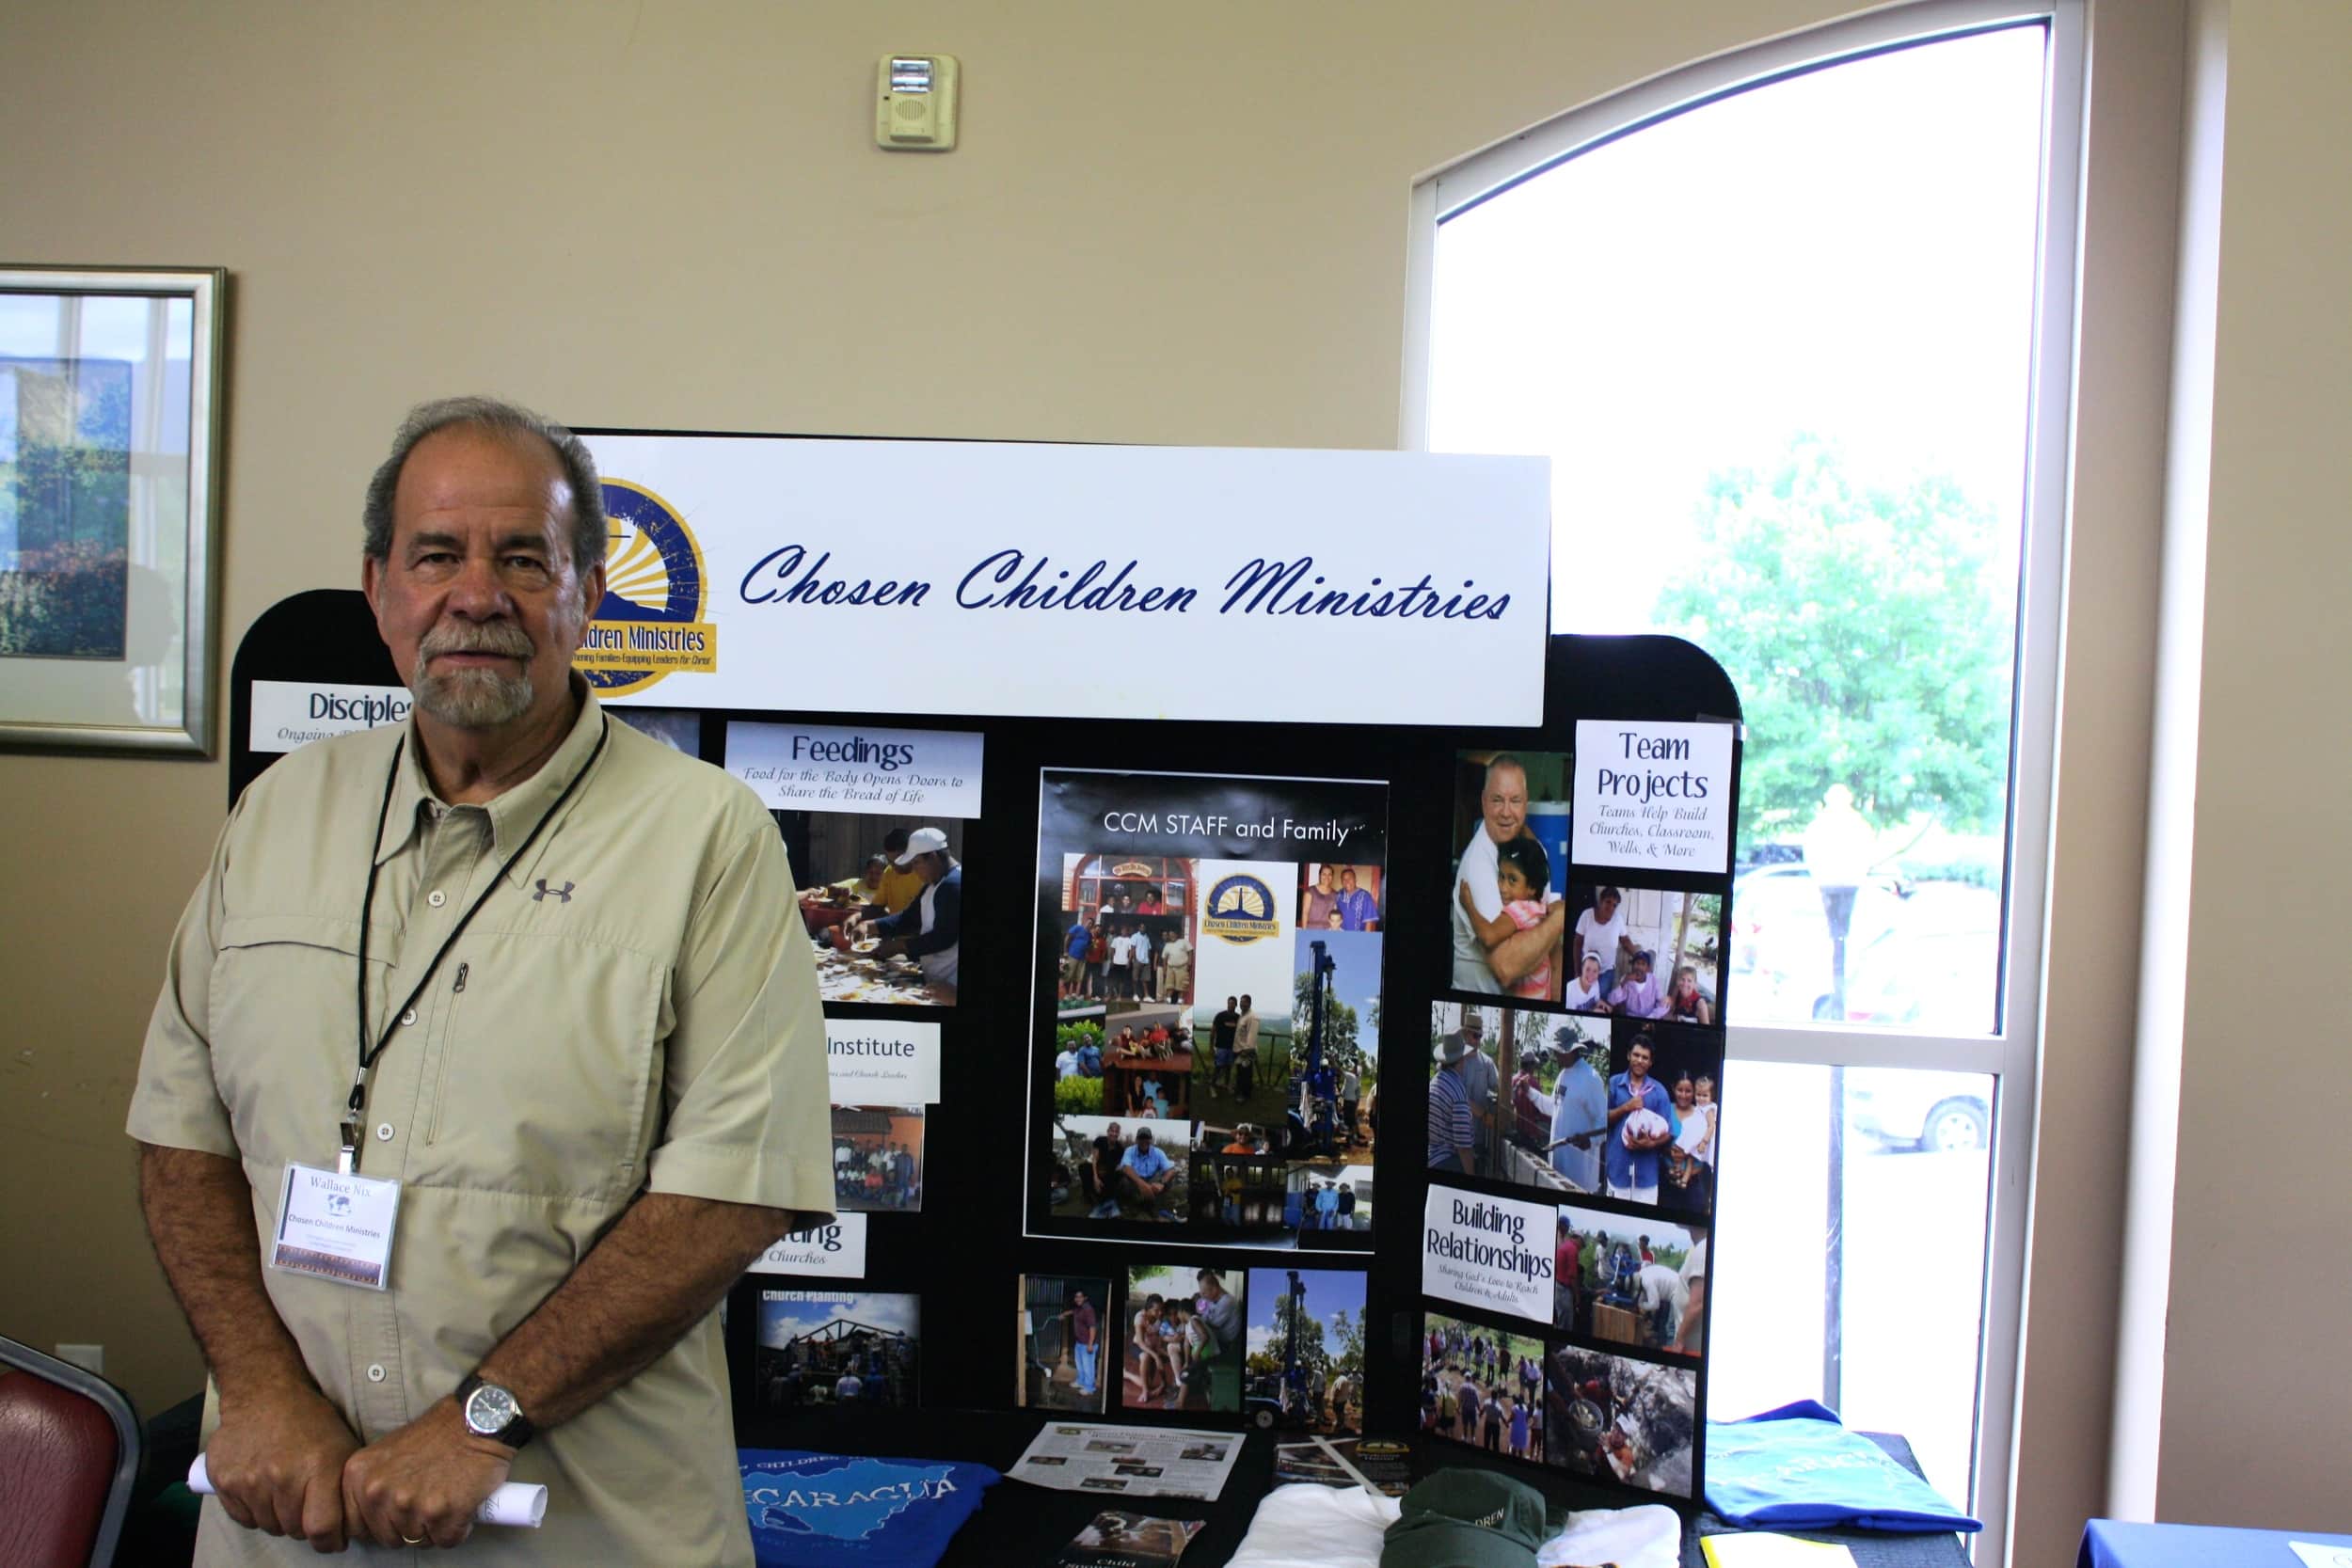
348	1160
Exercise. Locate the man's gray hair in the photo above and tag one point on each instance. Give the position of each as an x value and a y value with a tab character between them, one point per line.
513	421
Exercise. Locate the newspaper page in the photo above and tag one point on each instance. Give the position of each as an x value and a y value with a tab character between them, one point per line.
1131	1461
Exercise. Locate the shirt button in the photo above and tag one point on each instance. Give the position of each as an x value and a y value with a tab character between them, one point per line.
376	1372
408	1017
436	898
383	1132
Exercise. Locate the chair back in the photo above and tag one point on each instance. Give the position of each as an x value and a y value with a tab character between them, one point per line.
69	1453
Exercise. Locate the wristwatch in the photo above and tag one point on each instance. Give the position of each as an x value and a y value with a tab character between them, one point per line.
492	1412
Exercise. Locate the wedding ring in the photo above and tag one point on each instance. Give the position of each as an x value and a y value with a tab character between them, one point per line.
412	1539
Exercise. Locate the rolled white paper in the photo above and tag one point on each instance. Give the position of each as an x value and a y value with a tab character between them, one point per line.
513	1503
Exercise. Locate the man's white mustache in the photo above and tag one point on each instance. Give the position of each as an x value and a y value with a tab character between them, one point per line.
485	639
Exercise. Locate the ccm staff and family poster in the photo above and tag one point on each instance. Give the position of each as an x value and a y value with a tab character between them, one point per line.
1211	956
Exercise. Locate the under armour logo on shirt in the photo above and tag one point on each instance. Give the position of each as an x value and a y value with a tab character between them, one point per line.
546	891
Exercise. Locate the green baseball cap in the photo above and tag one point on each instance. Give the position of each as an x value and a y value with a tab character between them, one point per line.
1465	1518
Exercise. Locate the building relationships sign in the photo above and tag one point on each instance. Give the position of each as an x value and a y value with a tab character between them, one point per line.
1082	581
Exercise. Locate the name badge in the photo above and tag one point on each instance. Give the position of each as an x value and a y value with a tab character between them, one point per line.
336	1226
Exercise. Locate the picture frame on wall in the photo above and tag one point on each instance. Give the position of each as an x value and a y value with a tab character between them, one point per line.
110	458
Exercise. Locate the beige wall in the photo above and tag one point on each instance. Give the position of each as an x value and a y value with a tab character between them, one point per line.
2256	1367
672	214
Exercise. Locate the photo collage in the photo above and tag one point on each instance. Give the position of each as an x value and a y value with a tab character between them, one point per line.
1577	1060
1598	1415
1214	990
1278	1347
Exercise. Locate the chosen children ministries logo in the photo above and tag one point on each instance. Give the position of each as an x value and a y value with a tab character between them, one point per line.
650	623
1240	910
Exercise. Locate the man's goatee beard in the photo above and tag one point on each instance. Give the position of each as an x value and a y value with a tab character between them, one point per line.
474	699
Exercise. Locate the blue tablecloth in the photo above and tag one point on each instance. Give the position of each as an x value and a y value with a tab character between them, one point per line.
2111	1543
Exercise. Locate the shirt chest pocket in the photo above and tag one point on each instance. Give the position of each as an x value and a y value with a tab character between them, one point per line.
284	1030
543	1072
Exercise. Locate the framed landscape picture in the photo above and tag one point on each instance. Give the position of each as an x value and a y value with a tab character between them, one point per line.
110	441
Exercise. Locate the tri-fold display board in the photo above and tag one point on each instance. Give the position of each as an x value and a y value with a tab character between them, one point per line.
1315	1019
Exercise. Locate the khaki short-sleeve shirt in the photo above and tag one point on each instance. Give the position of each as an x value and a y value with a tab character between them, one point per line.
633	1008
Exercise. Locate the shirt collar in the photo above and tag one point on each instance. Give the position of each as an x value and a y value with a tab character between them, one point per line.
513	814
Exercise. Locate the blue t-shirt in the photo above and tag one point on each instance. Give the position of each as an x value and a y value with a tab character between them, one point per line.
839	1511
1145	1162
1080	940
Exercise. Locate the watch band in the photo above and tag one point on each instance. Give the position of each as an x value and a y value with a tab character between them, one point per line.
518	1429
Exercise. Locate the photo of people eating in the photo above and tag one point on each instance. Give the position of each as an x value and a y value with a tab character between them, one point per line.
1645	953
1629	1280
883	898
1509	921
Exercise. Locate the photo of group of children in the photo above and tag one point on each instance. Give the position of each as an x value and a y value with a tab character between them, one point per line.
827	1348
1229	1005
1183	1349
1482	1386
878	1158
1644	953
1284	1347
1630	1281
1621	1107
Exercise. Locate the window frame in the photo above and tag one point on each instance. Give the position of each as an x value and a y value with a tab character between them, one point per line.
2013	1054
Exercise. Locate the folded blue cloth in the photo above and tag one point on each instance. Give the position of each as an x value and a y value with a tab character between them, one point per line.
840	1510
1797	1467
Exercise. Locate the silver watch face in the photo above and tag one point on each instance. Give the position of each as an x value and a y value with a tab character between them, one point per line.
489	1409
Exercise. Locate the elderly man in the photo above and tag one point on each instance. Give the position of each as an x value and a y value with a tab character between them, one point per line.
1490	953
929	930
584	1086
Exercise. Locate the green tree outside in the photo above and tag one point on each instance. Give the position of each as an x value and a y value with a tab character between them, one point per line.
1866	630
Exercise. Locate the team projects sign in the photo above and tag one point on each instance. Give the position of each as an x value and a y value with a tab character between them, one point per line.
1084	581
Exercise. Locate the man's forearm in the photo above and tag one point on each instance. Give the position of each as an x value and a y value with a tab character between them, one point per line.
1522	952
199	1217
657	1273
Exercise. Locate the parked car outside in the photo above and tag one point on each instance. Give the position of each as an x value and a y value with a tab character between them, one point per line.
1910	1108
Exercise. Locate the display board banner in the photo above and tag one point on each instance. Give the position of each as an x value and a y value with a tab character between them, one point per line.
831	1251
1068	581
1491	1253
1653	794
863	769
287	714
883	1061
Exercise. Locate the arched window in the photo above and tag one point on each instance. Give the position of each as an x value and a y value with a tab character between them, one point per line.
1793	325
